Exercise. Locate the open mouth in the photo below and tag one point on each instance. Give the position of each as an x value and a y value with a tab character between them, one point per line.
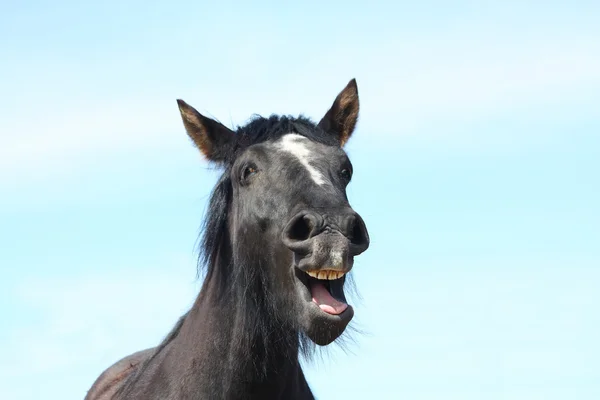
325	312
326	289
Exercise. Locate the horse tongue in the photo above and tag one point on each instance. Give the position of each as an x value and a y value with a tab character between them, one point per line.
324	300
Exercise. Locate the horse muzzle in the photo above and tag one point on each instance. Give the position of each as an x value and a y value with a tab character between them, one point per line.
324	244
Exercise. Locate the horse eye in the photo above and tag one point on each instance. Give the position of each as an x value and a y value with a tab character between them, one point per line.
346	174
248	171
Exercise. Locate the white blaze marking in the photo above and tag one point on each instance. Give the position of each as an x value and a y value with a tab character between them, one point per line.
295	145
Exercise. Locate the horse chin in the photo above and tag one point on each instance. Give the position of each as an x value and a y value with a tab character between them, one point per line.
325	322
323	328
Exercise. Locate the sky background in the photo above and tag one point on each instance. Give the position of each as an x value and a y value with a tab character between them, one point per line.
476	163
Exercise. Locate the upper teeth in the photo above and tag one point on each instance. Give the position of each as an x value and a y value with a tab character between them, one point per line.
326	274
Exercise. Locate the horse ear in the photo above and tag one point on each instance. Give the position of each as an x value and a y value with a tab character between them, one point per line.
341	118
212	138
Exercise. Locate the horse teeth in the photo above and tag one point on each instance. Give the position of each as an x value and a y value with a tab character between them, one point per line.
327	274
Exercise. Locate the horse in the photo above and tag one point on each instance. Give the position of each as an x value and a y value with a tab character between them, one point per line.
278	241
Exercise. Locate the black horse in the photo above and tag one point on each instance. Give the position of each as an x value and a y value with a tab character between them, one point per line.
278	241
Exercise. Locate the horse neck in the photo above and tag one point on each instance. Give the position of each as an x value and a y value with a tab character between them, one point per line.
234	346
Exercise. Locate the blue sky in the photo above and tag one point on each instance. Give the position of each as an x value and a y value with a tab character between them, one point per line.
476	169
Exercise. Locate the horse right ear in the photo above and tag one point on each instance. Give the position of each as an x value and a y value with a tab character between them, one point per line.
212	138
341	118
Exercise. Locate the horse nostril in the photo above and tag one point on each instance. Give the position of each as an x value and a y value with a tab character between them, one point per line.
302	227
357	233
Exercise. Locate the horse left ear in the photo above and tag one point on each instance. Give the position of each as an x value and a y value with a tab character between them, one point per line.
341	118
212	138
